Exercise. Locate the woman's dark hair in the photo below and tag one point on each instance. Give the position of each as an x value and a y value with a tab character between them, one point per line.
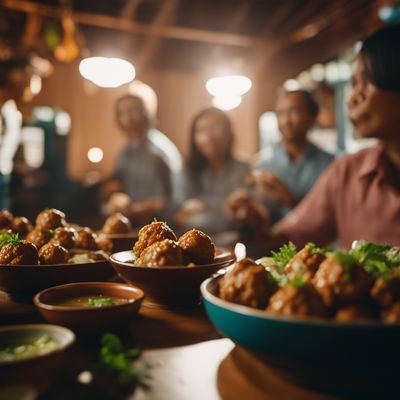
196	162
309	101
381	55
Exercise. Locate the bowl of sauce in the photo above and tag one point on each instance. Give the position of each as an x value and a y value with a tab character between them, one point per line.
90	307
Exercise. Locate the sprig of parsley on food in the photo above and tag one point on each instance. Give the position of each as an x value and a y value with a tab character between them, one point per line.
8	238
312	248
285	254
119	363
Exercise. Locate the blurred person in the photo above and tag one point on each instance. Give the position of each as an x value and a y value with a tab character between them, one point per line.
358	197
141	188
212	173
287	174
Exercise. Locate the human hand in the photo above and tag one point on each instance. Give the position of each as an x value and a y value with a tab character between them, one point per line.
273	186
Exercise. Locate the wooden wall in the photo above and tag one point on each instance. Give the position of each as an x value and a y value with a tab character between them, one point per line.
181	94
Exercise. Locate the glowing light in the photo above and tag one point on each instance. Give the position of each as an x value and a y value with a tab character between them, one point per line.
107	72
95	154
227	102
291	84
228	86
35	84
317	72
147	94
63	123
332	72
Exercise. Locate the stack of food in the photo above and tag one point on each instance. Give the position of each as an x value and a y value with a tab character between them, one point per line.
51	241
363	283
158	246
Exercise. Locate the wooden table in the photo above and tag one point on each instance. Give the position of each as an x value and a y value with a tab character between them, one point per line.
188	357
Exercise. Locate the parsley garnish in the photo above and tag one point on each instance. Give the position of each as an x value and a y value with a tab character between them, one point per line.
101	301
8	238
315	250
285	254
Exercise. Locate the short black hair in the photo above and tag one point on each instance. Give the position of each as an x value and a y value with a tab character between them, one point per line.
309	101
381	55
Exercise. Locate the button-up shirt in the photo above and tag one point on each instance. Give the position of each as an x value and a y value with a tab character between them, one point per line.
353	200
299	176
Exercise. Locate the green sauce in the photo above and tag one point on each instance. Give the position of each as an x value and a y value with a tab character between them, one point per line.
91	301
19	351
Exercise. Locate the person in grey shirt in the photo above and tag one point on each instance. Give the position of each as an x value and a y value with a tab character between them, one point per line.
285	173
142	178
212	173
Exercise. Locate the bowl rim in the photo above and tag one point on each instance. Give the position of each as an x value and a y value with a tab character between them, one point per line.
256	313
67	333
220	264
51	307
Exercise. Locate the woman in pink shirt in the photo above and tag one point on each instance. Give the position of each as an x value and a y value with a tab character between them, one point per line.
358	197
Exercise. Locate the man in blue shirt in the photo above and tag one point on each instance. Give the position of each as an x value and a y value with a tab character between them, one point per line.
285	173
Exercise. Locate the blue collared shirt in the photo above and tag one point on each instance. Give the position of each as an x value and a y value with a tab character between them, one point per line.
298	176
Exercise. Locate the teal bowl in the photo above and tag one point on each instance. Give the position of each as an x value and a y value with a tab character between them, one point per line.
361	355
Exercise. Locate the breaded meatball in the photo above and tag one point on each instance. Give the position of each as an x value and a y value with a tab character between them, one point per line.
22	226
52	253
161	254
105	244
391	314
197	247
339	285
246	283
305	262
50	219
151	233
296	302
21	253
65	237
353	312
5	219
386	291
117	223
38	237
86	239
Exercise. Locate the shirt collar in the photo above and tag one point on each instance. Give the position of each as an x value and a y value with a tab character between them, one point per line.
373	163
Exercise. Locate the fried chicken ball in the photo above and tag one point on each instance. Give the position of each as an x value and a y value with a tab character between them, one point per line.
385	292
52	253
246	283
151	233
197	247
117	223
161	254
5	219
86	239
50	219
305	262
105	244
21	225
391	314
21	253
339	285
38	237
297	302
353	312
65	237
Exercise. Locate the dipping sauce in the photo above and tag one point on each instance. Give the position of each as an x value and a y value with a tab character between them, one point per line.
92	301
19	351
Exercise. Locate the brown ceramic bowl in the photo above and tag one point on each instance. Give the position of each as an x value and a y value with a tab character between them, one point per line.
23	281
121	241
169	287
89	319
38	370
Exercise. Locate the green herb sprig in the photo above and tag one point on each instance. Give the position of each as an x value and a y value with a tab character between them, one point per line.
8	238
312	248
285	254
101	301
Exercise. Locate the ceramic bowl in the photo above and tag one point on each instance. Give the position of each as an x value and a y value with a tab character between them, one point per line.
89	319
23	281
315	352
39	370
169	287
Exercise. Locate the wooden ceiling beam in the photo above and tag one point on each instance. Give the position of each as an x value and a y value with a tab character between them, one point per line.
129	26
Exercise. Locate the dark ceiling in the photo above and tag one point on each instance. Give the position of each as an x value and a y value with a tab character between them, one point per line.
191	34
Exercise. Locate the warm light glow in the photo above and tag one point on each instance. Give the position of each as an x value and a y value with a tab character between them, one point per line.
227	102
107	72
147	94
228	86
63	123
95	154
317	72
35	84
291	84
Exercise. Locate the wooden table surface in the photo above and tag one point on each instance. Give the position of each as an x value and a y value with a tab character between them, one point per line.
182	344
